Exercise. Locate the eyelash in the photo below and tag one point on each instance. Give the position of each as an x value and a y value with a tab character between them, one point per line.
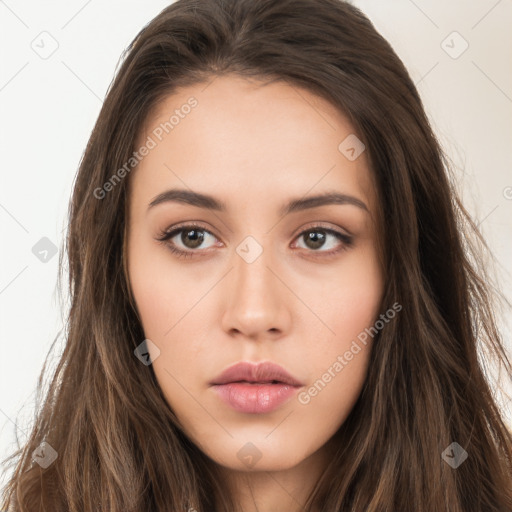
165	236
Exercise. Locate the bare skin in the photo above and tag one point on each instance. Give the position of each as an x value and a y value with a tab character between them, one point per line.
298	304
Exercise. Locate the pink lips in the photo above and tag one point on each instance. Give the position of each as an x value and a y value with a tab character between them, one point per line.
255	388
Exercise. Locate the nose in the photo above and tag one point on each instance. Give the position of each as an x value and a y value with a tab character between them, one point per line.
257	301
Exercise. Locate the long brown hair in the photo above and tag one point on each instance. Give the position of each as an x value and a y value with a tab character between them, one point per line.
119	445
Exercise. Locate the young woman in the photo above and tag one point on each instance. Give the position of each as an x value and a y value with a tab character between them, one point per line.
275	302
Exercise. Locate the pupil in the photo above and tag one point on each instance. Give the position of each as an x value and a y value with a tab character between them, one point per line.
317	238
195	235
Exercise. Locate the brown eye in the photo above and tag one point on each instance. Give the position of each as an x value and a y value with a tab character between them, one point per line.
186	240
192	238
314	239
323	240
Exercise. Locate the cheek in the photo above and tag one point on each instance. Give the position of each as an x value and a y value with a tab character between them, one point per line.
350	299
329	399
337	366
160	290
168	300
350	306
164	313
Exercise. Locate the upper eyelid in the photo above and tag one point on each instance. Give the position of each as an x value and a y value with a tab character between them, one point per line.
320	225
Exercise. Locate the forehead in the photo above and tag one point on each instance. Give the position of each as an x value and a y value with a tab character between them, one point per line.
250	141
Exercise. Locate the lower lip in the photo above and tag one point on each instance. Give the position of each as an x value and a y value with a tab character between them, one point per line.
255	398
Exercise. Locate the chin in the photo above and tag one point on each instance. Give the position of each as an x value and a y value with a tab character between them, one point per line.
249	458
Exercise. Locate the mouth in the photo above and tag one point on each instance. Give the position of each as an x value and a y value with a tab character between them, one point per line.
260	373
255	389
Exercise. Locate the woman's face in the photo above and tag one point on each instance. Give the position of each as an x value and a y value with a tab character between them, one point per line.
263	276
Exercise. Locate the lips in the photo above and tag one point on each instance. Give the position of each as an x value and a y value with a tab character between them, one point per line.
262	373
255	388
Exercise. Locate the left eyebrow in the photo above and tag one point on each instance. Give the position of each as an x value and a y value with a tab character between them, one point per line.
326	198
211	203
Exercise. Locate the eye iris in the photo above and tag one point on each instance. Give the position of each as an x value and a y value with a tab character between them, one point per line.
317	238
196	236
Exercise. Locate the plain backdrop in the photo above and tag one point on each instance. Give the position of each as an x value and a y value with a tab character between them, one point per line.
59	57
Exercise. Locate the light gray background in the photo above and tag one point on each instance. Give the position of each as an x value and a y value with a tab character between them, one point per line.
49	105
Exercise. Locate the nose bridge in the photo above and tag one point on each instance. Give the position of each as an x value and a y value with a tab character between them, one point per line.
255	296
251	262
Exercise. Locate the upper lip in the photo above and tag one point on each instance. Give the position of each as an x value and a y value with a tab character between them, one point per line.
256	372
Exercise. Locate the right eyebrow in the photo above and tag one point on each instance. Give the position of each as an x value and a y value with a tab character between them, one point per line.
188	197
